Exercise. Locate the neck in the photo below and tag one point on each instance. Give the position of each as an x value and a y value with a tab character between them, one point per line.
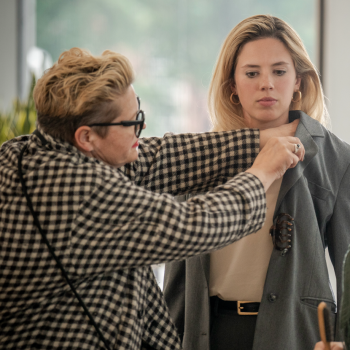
252	122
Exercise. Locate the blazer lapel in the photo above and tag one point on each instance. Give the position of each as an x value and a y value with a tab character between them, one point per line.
205	260
307	128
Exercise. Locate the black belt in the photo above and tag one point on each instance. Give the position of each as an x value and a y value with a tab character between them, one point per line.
240	307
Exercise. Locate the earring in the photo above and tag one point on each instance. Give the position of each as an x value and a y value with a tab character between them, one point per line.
234	103
299	97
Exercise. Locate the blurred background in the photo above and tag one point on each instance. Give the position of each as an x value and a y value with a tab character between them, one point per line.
173	46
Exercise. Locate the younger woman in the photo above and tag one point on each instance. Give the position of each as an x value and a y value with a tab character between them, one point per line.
258	293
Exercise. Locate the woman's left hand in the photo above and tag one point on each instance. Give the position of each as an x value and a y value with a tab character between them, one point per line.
334	346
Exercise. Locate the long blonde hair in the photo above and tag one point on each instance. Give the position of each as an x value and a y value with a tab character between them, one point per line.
226	116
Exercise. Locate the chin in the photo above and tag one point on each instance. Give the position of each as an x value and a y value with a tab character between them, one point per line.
134	157
268	114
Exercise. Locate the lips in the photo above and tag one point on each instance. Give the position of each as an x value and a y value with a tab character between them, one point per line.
135	144
267	101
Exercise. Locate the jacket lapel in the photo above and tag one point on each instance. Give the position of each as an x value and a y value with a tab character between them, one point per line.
307	129
205	260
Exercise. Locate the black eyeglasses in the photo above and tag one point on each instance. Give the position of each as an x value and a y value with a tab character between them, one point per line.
138	123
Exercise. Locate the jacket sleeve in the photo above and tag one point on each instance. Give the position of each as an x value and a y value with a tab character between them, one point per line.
174	288
185	163
345	310
121	225
338	238
174	291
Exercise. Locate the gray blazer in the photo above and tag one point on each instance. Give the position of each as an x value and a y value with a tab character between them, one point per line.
316	194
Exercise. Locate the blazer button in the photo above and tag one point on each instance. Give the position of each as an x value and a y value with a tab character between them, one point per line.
272	297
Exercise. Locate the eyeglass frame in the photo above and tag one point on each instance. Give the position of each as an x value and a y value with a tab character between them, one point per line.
129	122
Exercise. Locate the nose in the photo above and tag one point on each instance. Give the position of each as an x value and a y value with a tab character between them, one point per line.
266	82
144	125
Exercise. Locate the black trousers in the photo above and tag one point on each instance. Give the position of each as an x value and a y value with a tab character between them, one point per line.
230	331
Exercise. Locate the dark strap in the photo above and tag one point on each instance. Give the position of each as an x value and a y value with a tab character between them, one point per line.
43	235
41	137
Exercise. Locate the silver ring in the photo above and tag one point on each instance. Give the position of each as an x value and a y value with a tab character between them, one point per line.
296	148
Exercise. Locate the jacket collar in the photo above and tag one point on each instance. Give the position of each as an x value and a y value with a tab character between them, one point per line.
205	261
307	129
46	141
313	126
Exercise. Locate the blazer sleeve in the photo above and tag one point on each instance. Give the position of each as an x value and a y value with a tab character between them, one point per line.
345	309
338	238
174	291
121	225
185	163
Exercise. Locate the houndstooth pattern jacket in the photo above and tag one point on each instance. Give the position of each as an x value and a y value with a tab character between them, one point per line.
108	226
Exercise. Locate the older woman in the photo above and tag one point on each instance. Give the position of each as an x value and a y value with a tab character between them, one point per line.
79	226
262	292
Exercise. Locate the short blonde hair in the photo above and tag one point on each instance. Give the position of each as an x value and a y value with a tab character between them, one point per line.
227	116
78	90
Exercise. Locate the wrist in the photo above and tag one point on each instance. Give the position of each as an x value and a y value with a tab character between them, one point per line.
263	138
266	179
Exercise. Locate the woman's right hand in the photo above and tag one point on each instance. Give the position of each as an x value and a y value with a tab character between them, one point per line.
275	158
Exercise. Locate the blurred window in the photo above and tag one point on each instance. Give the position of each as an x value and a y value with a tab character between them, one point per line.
172	44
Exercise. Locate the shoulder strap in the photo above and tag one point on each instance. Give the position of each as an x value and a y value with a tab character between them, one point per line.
43	235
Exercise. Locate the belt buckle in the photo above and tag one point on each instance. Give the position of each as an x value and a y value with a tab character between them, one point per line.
244	313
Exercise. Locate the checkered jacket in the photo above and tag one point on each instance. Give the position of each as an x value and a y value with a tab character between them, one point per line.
108	226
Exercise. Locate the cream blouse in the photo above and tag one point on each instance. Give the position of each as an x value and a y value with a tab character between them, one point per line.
238	271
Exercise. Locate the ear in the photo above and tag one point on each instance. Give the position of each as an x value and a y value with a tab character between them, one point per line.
84	137
233	88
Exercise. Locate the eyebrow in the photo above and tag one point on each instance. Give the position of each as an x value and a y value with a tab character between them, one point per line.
274	65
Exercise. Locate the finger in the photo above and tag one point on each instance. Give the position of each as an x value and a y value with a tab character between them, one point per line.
293	139
319	346
301	153
294	148
298	149
294	161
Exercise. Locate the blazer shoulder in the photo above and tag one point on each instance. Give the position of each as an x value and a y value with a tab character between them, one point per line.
329	144
334	144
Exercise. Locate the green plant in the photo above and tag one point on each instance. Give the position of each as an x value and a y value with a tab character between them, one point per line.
20	120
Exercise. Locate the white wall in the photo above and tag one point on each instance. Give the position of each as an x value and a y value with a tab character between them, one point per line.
26	17
17	36
8	52
336	78
336	74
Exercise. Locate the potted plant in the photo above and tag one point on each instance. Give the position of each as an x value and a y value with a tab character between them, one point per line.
20	120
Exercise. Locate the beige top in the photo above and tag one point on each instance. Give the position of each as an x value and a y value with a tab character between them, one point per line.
238	271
